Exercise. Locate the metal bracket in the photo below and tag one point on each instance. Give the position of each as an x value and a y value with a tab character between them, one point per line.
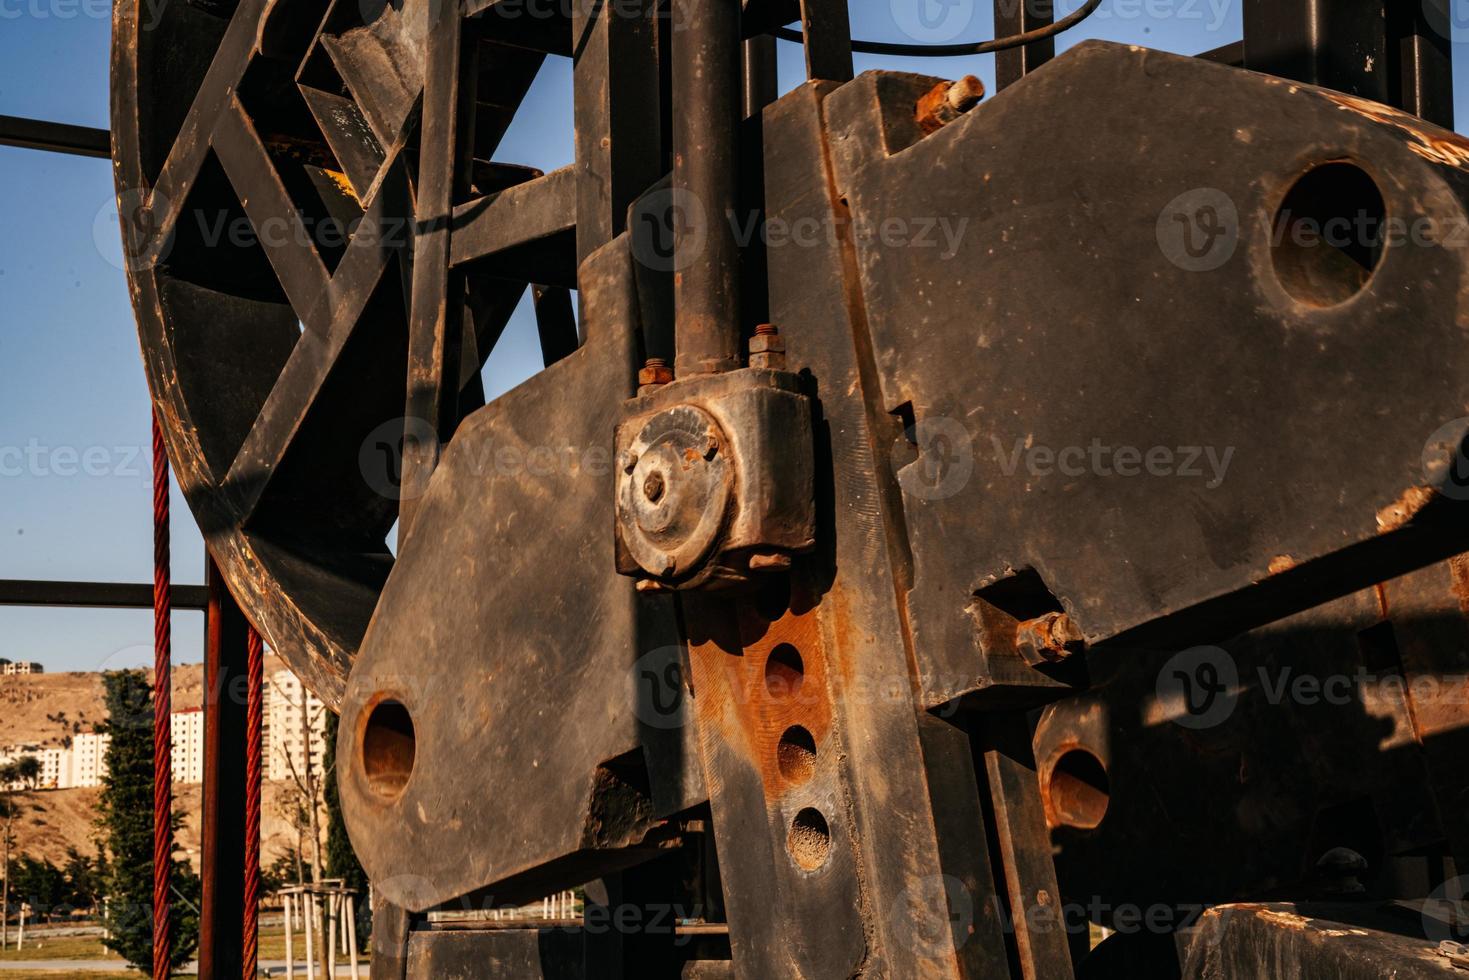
714	480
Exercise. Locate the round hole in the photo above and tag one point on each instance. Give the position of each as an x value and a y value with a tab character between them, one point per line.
810	839
388	748
1078	791
784	671
1328	235
796	754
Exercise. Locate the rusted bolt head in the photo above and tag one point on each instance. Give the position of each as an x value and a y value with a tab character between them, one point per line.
655	372
767	343
766	330
965	94
946	102
1049	639
653	487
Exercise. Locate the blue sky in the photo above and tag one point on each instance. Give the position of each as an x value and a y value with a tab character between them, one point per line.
74	484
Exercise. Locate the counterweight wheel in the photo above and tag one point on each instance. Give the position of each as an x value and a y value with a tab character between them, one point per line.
269	159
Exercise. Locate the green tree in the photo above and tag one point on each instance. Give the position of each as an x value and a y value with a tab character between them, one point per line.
125	819
83	879
341	859
280	873
43	885
28	768
10	783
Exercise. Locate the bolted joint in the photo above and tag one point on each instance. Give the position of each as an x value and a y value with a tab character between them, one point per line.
768	348
654	374
1049	639
947	101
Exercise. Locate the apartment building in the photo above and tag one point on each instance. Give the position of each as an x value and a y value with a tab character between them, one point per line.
187	729
293	727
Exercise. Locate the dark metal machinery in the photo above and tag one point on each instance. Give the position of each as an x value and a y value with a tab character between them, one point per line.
922	588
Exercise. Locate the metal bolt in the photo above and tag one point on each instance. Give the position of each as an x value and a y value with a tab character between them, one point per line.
1342	870
965	94
768	348
947	101
1049	639
653	487
655	372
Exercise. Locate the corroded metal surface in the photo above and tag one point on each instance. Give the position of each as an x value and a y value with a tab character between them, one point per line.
1036	462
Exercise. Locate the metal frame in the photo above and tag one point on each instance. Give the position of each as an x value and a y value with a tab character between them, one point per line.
223	791
843	859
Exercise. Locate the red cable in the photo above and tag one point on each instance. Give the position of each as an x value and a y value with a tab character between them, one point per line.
162	707
255	686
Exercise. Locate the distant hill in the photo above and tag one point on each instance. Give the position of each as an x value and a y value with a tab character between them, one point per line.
44	709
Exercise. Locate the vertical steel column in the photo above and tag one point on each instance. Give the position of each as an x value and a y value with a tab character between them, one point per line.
435	331
706	109
828	32
1017	17
1398	54
1419	37
223	831
1340	44
761	79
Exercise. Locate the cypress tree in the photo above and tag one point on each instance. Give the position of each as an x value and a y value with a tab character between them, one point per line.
125	820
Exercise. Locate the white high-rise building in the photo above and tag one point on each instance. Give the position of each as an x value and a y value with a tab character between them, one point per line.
88	758
20	668
289	736
187	728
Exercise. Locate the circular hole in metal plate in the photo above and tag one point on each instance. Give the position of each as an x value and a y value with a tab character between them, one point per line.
809	841
388	748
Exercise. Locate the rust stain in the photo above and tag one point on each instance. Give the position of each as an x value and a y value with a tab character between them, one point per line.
927	110
1459	582
344	183
1382	606
733	698
1434	145
1280	564
1402	511
1288	920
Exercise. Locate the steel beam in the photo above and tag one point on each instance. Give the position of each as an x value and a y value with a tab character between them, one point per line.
1017	17
96	595
707	94
37	134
